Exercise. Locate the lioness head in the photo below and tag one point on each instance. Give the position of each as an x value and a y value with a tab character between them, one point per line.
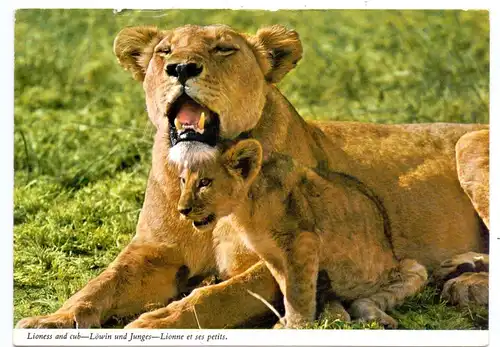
205	84
217	188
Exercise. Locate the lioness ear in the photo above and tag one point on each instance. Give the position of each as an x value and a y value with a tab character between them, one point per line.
278	50
134	48
244	159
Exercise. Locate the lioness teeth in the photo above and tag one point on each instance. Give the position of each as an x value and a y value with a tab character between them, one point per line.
178	124
199	128
201	122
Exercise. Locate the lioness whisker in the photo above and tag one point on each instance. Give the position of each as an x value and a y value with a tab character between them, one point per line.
196	317
271	307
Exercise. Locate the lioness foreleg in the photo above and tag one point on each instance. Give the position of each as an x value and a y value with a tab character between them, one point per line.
142	275
464	279
224	305
468	288
461	263
409	279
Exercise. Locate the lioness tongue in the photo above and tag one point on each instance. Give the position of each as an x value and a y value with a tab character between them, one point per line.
189	113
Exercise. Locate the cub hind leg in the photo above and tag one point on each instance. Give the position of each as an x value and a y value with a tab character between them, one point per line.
409	279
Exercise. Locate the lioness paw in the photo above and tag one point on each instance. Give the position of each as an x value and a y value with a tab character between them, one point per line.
169	322
47	322
142	324
468	288
60	321
174	316
462	263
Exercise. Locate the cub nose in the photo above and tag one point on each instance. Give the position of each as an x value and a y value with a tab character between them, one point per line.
183	72
185	211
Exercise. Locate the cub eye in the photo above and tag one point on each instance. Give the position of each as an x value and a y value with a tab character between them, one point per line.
204	182
183	180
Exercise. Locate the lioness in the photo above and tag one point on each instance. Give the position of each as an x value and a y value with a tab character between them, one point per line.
231	77
299	223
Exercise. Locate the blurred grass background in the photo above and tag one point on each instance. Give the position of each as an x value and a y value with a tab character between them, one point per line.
82	137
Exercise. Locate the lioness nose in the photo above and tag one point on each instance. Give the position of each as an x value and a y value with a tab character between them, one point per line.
183	72
185	211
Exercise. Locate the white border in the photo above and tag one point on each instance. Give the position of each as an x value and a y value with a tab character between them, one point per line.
494	286
386	338
7	169
260	4
263	337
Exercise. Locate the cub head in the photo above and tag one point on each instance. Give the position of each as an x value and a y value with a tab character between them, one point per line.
217	188
205	84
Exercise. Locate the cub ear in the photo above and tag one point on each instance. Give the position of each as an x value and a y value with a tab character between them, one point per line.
278	50
134	48
243	160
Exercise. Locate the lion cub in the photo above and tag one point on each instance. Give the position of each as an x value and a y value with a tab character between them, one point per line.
300	222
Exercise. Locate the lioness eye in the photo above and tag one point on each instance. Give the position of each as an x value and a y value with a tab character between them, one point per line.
183	180
204	182
164	50
225	50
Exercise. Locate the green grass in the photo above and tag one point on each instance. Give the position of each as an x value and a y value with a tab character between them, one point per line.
423	311
82	138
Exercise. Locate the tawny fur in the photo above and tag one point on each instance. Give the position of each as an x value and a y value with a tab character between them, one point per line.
412	168
473	164
299	223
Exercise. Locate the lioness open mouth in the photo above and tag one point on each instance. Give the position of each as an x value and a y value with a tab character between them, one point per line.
204	222
191	121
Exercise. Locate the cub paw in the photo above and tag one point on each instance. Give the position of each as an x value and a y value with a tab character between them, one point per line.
279	325
296	321
335	310
364	310
379	317
468	288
